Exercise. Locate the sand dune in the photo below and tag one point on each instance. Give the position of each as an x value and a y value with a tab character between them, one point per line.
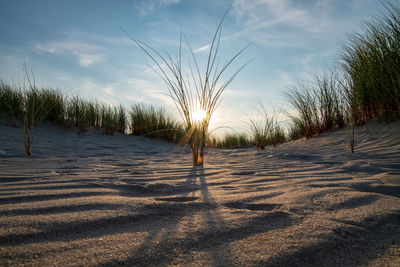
93	199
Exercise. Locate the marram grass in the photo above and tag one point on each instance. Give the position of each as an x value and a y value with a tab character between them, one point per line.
319	106
192	90
371	62
28	107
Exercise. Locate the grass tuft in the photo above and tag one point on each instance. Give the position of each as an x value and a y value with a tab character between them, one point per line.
318	106
265	129
371	62
192	92
231	141
154	123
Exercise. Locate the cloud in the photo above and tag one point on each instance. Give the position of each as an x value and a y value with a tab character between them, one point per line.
85	60
203	48
147	6
86	54
148	91
266	13
288	22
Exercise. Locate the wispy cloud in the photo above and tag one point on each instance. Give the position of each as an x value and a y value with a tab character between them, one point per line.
146	6
86	54
148	91
287	22
266	13
203	48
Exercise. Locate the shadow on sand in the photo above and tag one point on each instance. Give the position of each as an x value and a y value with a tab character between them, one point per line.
213	237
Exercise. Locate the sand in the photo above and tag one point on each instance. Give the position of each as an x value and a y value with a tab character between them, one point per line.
92	199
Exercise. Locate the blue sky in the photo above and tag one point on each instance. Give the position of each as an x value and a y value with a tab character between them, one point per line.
78	46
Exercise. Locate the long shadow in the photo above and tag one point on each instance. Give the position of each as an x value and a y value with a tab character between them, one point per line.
264	180
214	222
146	190
212	239
46	181
4	180
61	209
389	190
22	199
261	224
353	245
336	179
55	187
355	202
76	230
266	196
156	253
157	249
167	249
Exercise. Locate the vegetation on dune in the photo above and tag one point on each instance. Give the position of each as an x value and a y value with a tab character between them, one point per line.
196	96
319	106
371	62
265	129
366	86
154	123
28	107
10	102
231	140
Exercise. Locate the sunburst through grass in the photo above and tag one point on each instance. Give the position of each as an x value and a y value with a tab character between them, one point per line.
195	95
199	115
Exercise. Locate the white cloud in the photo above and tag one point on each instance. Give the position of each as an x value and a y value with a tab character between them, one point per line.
146	6
85	60
86	54
203	48
267	13
147	91
287	22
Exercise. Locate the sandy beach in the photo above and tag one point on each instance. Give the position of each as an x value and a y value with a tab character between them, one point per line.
96	200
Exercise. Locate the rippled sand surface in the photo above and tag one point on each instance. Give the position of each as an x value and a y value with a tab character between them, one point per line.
92	199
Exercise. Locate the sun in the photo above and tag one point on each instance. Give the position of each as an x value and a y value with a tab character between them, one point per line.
199	115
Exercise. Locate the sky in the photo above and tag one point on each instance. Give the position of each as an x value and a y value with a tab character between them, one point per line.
82	46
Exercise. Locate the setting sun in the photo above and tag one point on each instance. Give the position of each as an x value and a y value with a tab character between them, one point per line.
199	115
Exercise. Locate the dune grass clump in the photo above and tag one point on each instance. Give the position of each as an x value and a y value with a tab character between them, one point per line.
32	105
77	114
265	129
154	123
121	119
318	107
29	105
10	102
195	95
108	121
371	62
33	111
55	101
231	141
36	105
74	111
82	114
